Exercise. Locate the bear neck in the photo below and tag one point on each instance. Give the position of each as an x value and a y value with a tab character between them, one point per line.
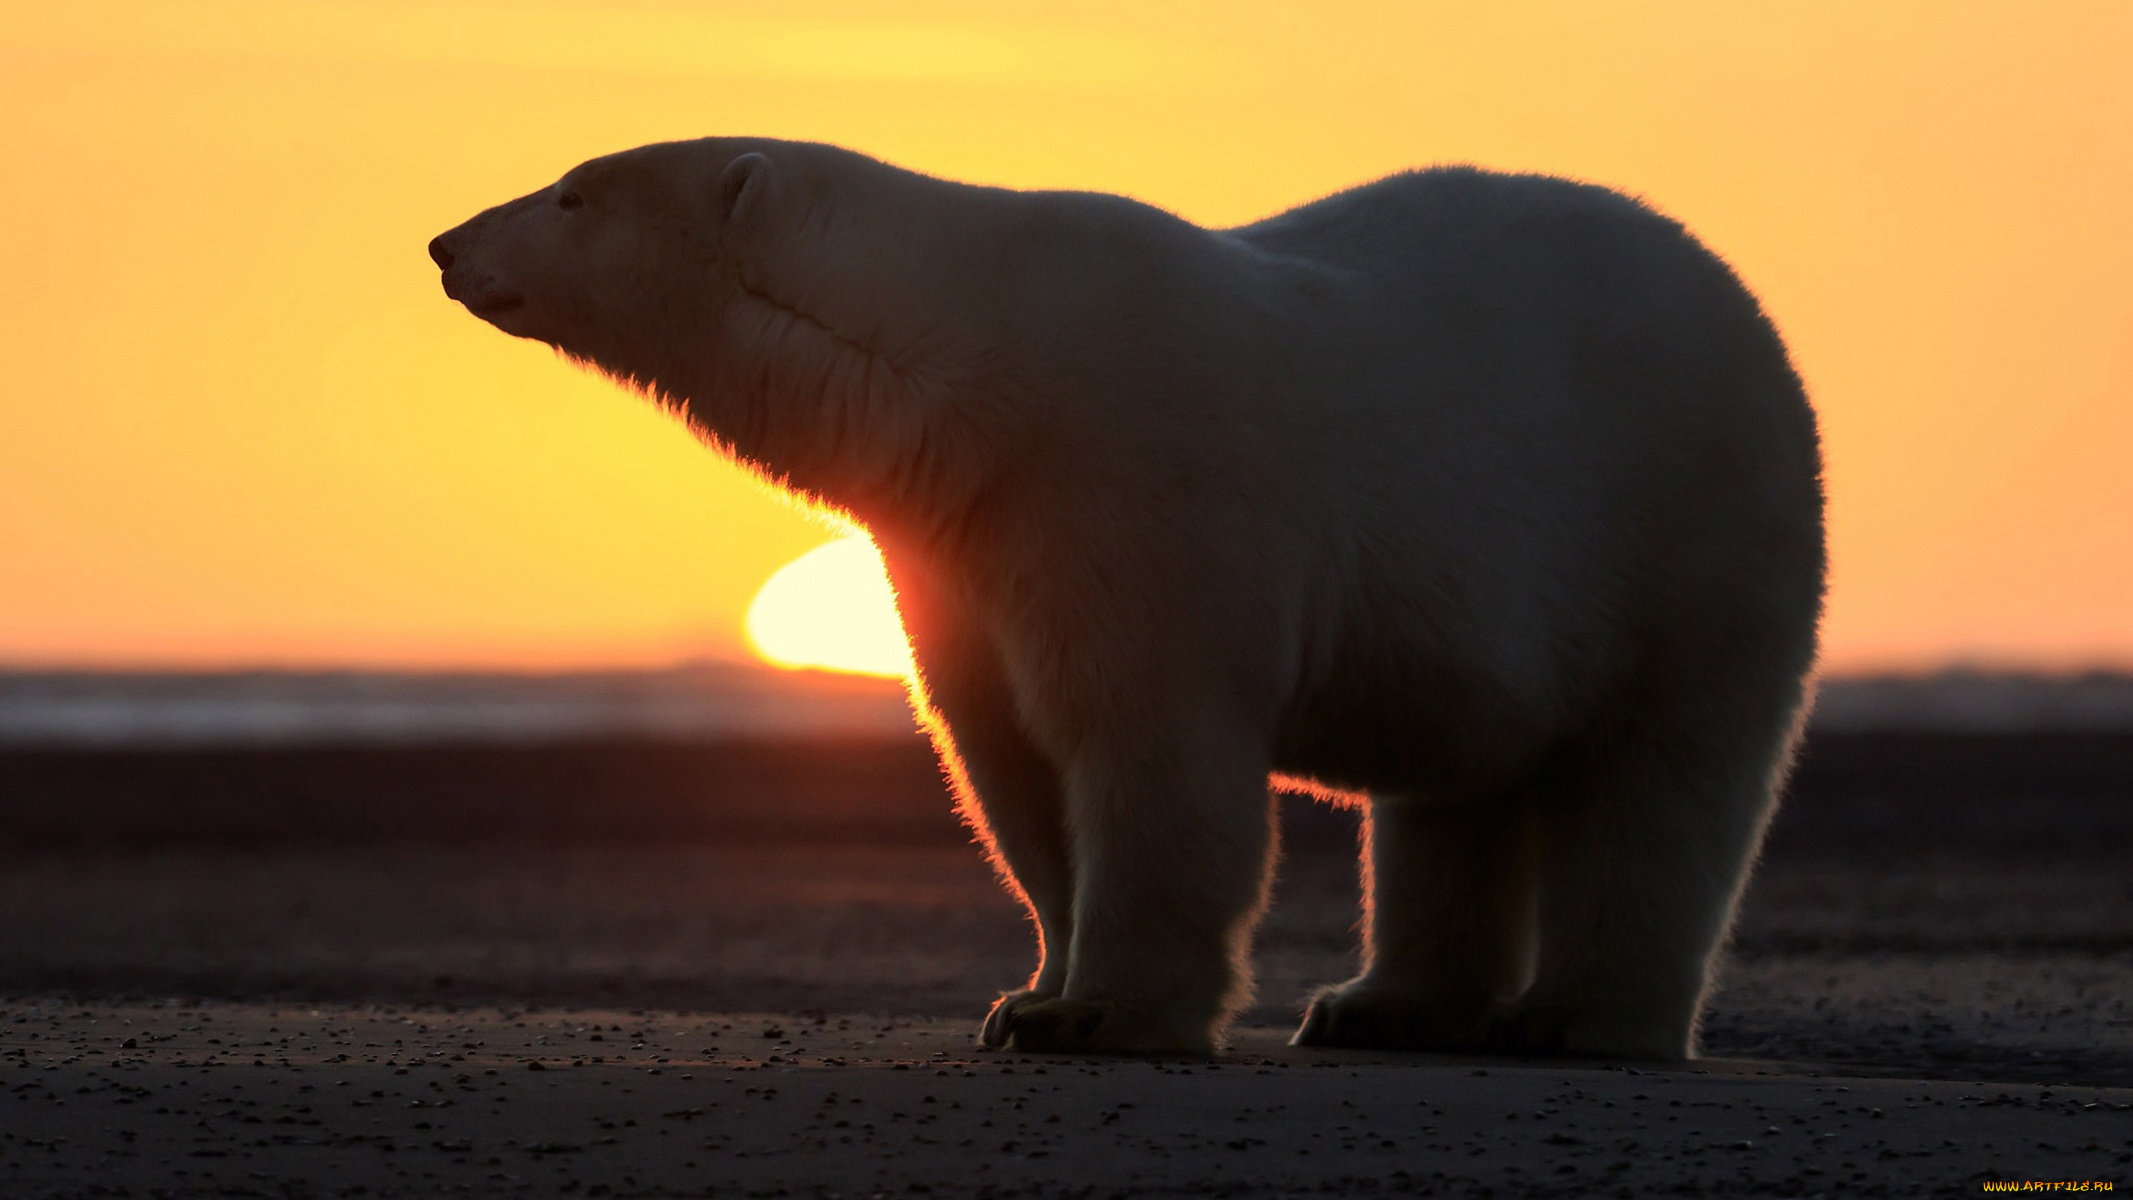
886	441
866	362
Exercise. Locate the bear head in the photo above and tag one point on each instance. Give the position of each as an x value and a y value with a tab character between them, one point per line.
621	260
827	319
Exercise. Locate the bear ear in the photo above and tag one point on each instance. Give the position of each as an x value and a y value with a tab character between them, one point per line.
744	187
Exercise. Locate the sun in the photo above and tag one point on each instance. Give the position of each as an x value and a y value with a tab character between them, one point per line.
831	608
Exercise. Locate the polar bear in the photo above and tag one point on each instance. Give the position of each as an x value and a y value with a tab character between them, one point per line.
1492	497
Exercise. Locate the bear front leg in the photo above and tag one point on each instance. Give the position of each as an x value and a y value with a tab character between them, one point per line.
1173	851
1011	799
1007	792
1448	927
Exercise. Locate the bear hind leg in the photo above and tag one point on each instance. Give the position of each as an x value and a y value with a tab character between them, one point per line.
1448	927
1640	874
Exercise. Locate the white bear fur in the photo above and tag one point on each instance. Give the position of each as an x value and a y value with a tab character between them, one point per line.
1492	496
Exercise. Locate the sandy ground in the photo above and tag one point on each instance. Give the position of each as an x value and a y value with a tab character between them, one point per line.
316	1022
272	1100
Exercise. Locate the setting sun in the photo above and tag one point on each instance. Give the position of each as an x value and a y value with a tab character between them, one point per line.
831	608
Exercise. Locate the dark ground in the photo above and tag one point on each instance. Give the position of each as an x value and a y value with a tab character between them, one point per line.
1930	908
1930	905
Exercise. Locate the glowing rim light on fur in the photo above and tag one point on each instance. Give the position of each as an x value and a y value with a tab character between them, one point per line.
831	608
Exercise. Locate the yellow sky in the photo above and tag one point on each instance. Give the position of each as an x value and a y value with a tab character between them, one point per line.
239	424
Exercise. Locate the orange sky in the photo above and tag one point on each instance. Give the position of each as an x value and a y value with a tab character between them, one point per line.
239	424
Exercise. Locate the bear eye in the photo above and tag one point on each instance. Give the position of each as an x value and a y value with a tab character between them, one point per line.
569	200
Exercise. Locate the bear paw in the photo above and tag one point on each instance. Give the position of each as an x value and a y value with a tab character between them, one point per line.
1360	1017
1002	1017
1058	1025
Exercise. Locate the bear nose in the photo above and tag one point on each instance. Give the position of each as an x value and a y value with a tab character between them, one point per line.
439	253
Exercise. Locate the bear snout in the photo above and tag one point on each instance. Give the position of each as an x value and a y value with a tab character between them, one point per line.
469	285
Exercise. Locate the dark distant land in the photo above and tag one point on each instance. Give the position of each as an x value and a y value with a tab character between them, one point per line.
1903	765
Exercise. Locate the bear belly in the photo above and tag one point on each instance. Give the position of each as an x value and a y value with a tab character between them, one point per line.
1414	732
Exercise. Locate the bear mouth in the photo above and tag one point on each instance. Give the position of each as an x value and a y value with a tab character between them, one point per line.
480	296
